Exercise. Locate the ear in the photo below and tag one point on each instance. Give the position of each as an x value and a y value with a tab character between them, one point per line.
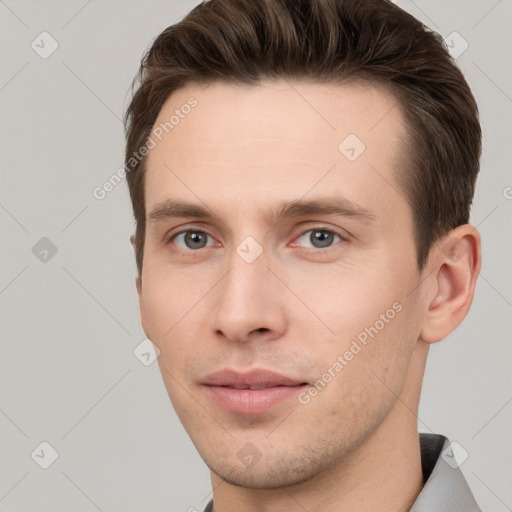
142	309
451	284
138	286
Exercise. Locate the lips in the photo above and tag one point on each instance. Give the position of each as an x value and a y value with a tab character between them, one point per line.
250	392
254	379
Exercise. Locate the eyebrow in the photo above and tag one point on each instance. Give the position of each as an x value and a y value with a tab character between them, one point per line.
328	205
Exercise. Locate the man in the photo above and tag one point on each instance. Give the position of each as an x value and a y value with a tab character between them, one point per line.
301	174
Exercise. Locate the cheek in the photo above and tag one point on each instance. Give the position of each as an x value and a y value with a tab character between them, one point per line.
373	325
176	314
387	343
167	300
349	301
360	377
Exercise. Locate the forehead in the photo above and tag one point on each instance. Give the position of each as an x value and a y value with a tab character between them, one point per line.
276	140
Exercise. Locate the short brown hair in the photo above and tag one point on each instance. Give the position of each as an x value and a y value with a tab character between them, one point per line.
329	41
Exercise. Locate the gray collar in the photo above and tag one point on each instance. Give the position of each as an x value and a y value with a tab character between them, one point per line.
445	489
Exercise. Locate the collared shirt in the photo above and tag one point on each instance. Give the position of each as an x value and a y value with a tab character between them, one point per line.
445	489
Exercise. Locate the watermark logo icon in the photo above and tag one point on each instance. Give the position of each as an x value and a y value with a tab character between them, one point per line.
44	250
44	45
249	249
44	455
249	455
455	44
454	455
351	147
146	352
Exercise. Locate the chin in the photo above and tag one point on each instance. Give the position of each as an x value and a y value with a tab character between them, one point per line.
283	471
266	479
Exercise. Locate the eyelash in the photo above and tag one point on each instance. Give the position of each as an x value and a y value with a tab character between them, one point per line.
314	249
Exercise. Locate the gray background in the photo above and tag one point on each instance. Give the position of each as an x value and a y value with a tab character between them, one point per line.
69	325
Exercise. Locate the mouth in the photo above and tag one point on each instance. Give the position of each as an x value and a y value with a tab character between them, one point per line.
254	387
252	392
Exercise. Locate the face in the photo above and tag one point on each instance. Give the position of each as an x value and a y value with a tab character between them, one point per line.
279	277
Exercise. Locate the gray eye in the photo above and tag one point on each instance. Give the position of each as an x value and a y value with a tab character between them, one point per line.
192	239
318	238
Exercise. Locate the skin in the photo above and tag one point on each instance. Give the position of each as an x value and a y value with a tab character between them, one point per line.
297	306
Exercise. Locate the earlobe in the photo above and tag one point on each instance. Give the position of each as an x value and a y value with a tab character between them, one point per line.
138	281
452	283
138	284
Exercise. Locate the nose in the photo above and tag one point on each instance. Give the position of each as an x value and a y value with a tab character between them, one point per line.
249	302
